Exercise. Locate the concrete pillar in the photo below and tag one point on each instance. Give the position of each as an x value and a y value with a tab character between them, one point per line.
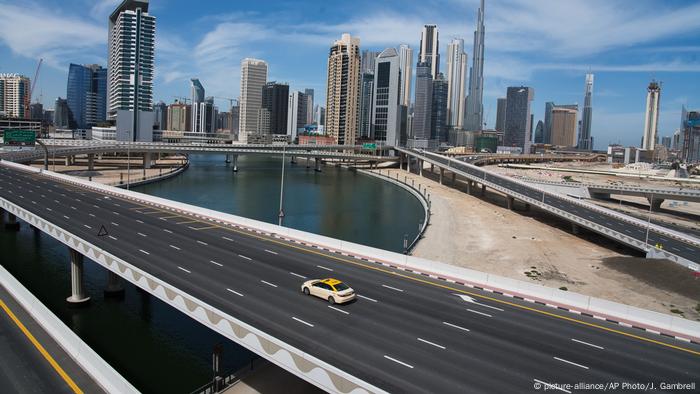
228	158
318	164
527	207
442	174
114	285
469	187
432	167
574	228
655	203
12	223
67	161
91	161
400	161
454	178
308	166
510	201
76	278
420	167
147	160
294	160
235	163
483	190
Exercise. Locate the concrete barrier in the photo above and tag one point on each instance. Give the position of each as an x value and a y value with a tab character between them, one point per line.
103	374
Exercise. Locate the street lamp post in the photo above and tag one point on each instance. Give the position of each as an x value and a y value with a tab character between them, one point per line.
281	214
651	203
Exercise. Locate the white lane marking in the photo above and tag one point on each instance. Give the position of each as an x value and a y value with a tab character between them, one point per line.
297	275
66	217
235	292
227	238
339	310
167	231
73	208
116	213
473	301
174	247
587	344
115	224
49	209
77	199
95	206
244	257
393	288
215	263
479	313
56	201
34	202
324	268
139	221
431	343
549	386
117	205
202	242
92	215
367	298
86	226
188	271
143	251
142	234
455	326
111	237
302	322
570	362
268	283
398	362
270	251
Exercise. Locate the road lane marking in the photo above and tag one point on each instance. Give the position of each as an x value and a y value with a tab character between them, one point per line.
41	349
143	251
479	313
270	251
227	238
66	217
549	386
49	209
202	242
167	231
204	228
339	310
174	247
571	362
473	301
139	221
189	221
86	226
398	362
116	213
456	326
142	234
91	214
215	263
115	224
324	268
367	298
235	292
244	257
431	343
587	344
297	275
188	271
268	283
393	288
302	322
111	237
73	208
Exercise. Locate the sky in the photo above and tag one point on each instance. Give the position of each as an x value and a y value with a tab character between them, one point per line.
546	44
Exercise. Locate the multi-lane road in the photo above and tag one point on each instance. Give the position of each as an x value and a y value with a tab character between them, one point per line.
406	333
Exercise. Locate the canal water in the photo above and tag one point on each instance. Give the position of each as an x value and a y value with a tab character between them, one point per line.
159	349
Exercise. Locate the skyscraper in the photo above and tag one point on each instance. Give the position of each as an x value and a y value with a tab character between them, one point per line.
161	115
368	58
253	78
406	67
438	118
423	104
385	108
549	107
651	117
517	125
309	93
197	93
475	106
689	144
275	99
564	126
539	132
366	100
456	79
179	117
87	95
130	70
296	113
430	49
61	114
501	114
585	142
14	95
205	116
343	90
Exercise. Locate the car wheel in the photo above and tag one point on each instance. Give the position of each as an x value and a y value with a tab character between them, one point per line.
306	291
331	300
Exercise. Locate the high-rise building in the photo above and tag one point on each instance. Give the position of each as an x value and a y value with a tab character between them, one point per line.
130	70
430	49
386	120
235	111
422	130
539	132
87	95
320	116
368	58
689	144
204	116
253	78
161	115
36	111
197	94
651	117
585	141
309	93
501	114
179	117
517	125
366	100
564	126
61	114
548	109
438	120
343	90
296	114
474	118
275	99
456	79
666	141
406	67
197	91
14	95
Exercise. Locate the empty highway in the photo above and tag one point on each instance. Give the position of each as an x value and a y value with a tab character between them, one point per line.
406	333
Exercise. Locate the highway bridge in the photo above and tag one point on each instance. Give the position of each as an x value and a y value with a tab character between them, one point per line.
409	331
635	233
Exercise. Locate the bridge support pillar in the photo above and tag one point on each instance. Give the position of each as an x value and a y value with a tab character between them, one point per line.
228	158
114	285
527	207
67	161
400	161
76	279
442	174
235	163
483	190
510	201
655	203
420	167
147	160
12	223
432	167
454	178
293	160
308	166
318	164
574	228
469	187
91	161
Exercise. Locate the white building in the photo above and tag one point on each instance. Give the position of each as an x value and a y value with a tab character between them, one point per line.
253	78
457	82
651	117
385	100
14	95
296	113
406	68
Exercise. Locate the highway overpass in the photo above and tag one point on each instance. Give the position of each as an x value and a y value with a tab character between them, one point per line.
409	331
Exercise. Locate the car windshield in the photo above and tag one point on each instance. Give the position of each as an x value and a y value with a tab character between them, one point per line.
341	286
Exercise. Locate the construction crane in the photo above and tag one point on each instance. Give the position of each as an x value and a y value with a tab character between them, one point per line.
28	101
230	100
183	99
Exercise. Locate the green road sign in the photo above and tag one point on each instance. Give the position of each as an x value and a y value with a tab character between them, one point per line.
369	146
20	137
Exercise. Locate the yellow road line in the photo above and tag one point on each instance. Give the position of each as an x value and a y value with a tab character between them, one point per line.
207	228
190	221
41	349
170	217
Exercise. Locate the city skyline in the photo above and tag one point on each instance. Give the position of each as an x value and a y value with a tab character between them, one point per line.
554	63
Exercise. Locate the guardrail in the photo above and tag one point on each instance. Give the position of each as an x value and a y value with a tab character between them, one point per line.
647	190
